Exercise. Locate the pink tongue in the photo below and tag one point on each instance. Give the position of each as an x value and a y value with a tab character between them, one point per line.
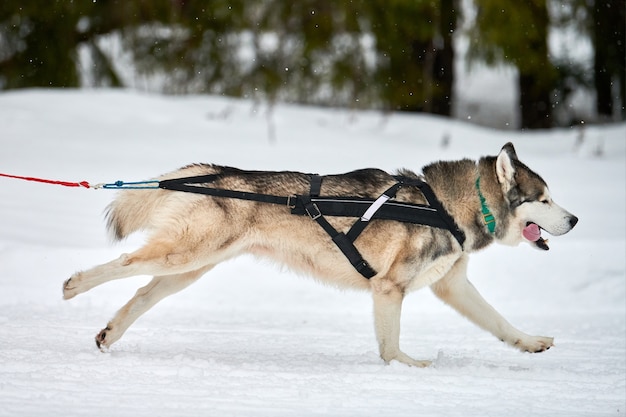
532	232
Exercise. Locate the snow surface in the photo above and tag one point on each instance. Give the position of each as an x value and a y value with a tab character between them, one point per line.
251	339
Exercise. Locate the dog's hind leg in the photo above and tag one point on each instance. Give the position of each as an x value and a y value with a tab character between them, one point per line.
155	258
145	298
83	281
455	290
387	312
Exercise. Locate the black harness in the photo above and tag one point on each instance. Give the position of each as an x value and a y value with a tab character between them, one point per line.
316	207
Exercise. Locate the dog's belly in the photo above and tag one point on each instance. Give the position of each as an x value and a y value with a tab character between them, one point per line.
336	270
329	267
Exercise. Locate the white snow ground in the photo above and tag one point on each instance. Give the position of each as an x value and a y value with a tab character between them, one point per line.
251	339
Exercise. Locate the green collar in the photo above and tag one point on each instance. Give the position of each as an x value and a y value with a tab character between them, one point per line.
488	218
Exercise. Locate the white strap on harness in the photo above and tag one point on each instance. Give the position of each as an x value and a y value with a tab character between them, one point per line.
374	207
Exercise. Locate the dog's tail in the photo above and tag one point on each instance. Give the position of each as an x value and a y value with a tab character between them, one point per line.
131	211
135	210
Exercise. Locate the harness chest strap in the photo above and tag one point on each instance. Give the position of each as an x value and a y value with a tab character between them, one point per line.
345	242
345	245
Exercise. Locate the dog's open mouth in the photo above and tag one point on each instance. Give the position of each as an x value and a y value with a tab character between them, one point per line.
532	233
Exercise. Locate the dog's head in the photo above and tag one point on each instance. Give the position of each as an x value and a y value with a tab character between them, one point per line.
530	206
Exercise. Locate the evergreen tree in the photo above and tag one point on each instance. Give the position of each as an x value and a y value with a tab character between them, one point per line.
516	31
35	45
608	21
415	53
39	40
392	54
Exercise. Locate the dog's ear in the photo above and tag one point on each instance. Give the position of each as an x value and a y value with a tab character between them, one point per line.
510	150
504	166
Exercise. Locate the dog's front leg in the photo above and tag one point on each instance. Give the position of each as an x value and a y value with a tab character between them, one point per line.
387	310
455	290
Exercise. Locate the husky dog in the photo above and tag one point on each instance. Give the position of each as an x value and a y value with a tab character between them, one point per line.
496	198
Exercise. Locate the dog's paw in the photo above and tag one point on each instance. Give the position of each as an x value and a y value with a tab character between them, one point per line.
417	363
101	339
406	359
69	288
535	344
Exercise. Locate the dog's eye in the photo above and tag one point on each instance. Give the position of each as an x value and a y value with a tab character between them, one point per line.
544	201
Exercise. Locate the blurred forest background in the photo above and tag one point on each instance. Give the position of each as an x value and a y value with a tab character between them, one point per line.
390	55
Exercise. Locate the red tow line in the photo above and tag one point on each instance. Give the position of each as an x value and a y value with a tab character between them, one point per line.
63	183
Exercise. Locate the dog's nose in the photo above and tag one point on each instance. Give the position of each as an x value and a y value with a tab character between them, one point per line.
572	221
